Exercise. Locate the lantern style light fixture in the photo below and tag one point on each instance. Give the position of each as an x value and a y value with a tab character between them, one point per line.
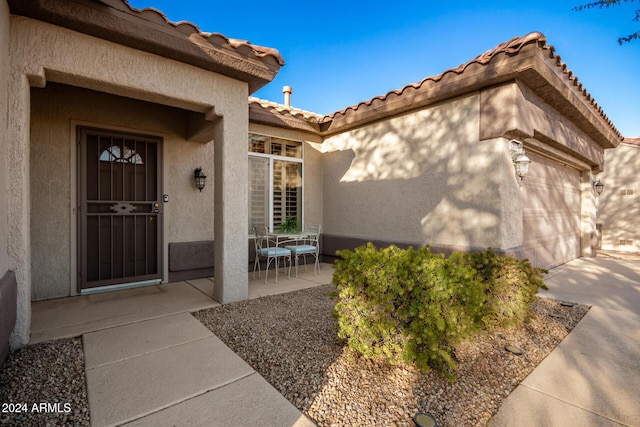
200	178
520	160
598	186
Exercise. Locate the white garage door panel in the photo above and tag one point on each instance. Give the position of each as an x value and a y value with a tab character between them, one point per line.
551	212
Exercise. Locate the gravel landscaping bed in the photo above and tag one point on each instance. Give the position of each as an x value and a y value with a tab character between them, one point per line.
290	339
44	385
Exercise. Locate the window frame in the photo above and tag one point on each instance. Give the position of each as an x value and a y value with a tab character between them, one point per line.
272	158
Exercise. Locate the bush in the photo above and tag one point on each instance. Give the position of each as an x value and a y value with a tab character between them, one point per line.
512	286
415	306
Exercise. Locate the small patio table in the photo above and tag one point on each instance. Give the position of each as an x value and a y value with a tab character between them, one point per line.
290	241
288	237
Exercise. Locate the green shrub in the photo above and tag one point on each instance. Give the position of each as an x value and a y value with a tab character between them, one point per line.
512	286
414	306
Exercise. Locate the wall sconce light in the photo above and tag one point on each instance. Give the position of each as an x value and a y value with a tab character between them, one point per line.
520	160
200	178
599	186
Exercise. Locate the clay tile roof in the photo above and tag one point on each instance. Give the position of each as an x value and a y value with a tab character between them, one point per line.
509	48
151	31
188	28
282	109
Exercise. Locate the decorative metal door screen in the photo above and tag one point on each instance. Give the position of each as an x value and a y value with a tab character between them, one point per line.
120	230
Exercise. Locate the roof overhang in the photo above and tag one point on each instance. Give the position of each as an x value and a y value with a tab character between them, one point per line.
150	31
527	60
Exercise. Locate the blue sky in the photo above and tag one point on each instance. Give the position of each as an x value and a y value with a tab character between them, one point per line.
338	54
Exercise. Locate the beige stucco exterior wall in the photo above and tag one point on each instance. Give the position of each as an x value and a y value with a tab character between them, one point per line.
56	111
423	178
514	110
41	53
618	209
312	169
4	158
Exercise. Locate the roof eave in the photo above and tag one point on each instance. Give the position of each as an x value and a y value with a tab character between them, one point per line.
551	81
428	92
129	28
534	64
269	116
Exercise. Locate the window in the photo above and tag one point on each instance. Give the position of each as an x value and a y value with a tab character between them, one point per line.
118	154
275	181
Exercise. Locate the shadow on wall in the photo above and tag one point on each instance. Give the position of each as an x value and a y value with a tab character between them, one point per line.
8	311
422	178
618	210
551	194
597	352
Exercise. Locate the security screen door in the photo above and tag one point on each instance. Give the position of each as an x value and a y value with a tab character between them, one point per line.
120	213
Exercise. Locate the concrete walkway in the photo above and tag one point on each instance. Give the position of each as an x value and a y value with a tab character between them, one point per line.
593	377
149	362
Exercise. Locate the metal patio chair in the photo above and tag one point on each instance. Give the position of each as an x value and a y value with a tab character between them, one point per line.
269	250
310	245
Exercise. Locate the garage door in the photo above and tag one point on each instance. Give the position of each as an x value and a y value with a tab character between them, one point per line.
551	212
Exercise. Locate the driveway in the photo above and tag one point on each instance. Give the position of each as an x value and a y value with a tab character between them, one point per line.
592	378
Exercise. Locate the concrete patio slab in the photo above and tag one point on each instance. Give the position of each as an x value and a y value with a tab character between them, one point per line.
530	408
258	289
67	317
136	339
251	401
132	388
204	285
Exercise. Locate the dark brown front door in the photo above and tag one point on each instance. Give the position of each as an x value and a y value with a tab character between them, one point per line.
120	212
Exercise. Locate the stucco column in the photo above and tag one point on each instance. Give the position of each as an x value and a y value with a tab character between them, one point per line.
588	232
4	140
231	206
18	201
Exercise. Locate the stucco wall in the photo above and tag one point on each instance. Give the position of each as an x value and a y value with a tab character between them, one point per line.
55	111
4	167
618	208
513	109
422	178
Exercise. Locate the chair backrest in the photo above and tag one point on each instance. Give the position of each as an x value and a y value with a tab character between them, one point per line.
312	228
314	234
260	234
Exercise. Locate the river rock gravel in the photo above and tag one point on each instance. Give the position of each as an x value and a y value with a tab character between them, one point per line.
44	385
290	339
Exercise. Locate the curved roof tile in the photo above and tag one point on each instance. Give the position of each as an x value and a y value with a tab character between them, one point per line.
510	48
244	47
282	109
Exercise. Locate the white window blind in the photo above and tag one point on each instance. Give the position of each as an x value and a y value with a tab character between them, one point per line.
258	192
275	181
